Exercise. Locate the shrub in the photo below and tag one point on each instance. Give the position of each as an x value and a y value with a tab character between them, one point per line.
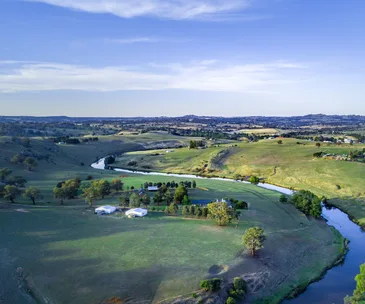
230	300
89	177
205	212
194	295
192	209
241	205
198	212
185	211
239	284
254	180
283	198
211	285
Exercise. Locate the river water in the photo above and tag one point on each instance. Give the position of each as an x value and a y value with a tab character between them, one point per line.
338	281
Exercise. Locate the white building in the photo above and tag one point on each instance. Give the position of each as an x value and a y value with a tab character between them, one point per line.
105	210
136	212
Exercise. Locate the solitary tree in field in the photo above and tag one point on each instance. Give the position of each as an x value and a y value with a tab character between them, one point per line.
30	163
253	239
17	159
318	145
283	198
4	173
220	212
280	142
32	193
194	184
11	192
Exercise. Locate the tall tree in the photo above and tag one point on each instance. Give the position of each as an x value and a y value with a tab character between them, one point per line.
168	196
134	200
60	193
219	212
253	239
32	193
91	194
11	192
146	200
180	192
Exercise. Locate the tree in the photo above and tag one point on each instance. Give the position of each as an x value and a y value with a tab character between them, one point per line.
17	159
194	184
30	163
185	211
18	181
172	209
280	142
219	212
32	193
239	285
180	192
134	200
283	198
318	145
198	212
254	180
91	194
102	187
123	201
4	173
11	192
146	200
308	203
60	193
231	300
359	293
253	239
168	196
157	198
116	185
186	200
211	285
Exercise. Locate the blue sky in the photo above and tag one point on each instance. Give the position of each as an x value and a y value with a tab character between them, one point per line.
205	57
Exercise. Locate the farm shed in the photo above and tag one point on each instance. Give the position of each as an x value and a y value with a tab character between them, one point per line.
136	212
105	210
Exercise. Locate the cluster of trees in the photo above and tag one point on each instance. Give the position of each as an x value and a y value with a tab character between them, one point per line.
98	189
9	186
72	141
29	162
253	179
172	184
193	211
208	134
308	203
11	192
67	189
109	160
237	204
359	293
134	200
194	144
212	285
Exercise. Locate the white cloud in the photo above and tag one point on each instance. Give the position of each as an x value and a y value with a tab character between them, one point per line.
206	75
170	9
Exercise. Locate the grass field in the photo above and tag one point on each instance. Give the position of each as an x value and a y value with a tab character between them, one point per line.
73	256
267	131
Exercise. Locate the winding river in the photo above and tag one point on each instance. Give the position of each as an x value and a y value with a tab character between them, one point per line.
338	281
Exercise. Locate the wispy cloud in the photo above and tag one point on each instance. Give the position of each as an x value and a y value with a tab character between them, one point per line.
207	75
133	40
170	9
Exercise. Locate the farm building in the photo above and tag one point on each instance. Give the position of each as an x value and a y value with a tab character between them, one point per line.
152	188
139	212
105	210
